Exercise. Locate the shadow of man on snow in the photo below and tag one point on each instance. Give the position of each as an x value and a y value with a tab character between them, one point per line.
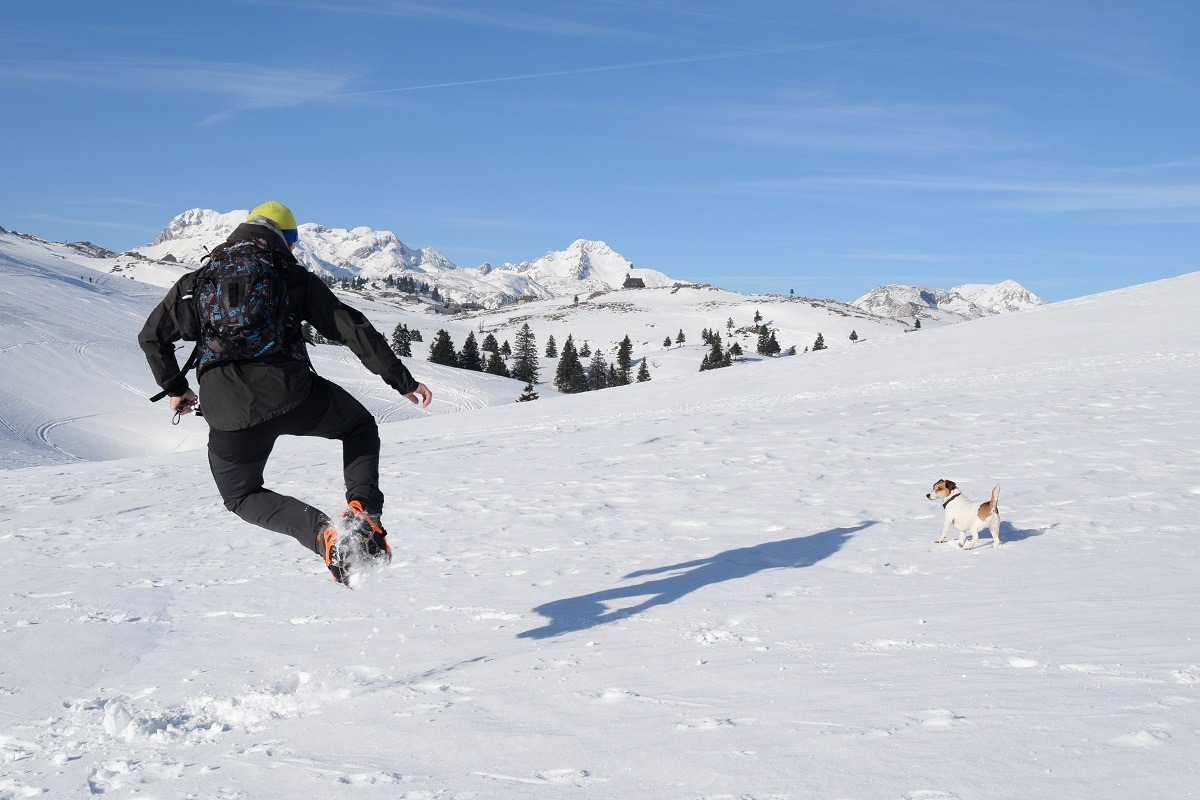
589	611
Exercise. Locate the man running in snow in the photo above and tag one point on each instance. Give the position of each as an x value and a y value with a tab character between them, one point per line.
249	402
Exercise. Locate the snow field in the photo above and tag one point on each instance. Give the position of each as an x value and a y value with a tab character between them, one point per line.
723	585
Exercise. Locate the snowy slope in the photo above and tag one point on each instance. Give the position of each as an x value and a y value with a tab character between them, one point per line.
74	383
707	587
650	316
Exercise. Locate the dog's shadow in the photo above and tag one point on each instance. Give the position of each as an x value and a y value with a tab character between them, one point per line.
589	610
1010	534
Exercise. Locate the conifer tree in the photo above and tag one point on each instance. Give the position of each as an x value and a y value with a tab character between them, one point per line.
764	342
757	319
624	361
400	345
469	357
489	344
570	377
551	347
496	365
505	349
729	325
525	366
714	358
819	344
680	339
773	347
442	351
667	342
597	376
528	395
735	349
586	350
643	373
854	336
414	335
916	322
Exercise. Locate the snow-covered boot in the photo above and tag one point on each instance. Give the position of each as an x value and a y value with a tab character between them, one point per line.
366	526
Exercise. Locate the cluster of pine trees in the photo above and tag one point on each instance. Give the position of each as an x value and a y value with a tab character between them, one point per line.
405	283
572	377
767	344
493	357
717	357
402	338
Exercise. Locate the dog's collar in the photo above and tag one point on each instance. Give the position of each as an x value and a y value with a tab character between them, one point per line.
951	497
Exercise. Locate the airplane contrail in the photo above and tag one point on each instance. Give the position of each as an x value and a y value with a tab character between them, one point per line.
643	64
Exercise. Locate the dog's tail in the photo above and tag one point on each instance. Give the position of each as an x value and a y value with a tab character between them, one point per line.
986	510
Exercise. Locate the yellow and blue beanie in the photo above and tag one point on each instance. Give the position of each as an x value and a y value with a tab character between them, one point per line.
281	215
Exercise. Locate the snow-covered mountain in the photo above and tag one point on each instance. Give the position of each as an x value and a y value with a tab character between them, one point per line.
999	298
362	252
969	301
584	266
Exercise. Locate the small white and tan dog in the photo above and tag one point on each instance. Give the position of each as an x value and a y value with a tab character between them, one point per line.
967	515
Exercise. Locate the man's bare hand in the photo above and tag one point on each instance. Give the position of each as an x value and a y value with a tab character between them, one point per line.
185	403
421	395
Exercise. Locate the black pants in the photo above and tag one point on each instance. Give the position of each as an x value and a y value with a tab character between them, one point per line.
238	458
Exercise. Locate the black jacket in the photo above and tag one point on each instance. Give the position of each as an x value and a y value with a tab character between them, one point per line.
237	395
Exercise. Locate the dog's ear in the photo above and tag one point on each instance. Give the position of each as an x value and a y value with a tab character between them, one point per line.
950	485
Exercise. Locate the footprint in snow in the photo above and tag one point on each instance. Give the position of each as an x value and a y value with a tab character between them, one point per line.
1140	739
940	719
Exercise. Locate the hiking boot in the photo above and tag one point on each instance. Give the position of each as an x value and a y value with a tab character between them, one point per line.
335	552
356	520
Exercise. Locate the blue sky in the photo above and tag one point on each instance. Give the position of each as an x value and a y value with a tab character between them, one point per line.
825	147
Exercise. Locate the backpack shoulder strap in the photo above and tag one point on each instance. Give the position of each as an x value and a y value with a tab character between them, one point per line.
187	367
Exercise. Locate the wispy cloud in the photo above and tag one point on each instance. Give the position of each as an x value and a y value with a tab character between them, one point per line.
238	87
103	201
1049	195
1028	194
469	14
93	223
467	222
721	56
794	121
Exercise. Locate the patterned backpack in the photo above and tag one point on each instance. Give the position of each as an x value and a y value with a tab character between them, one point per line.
242	308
